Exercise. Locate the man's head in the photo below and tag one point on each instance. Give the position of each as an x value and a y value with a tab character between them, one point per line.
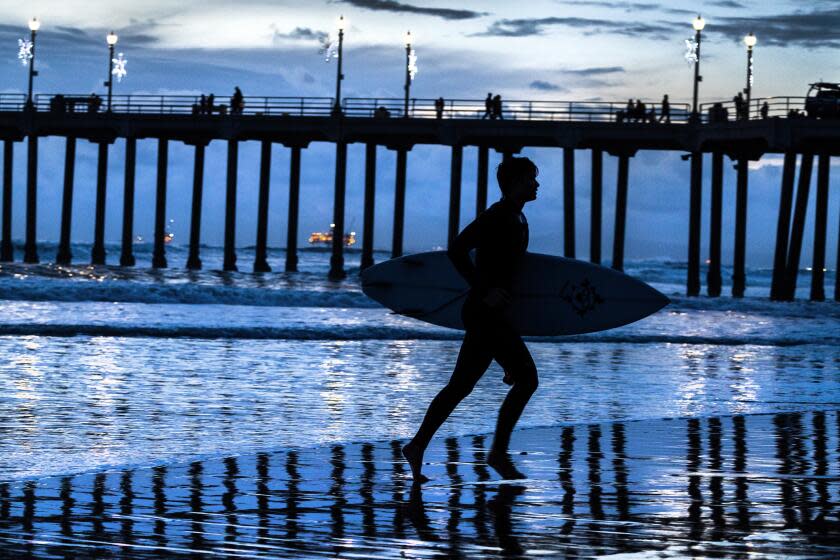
517	178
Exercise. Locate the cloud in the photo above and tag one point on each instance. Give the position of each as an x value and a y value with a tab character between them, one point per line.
545	86
300	34
595	71
812	29
394	6
589	26
728	4
628	6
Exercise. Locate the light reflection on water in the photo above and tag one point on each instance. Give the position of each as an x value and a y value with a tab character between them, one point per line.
85	402
718	487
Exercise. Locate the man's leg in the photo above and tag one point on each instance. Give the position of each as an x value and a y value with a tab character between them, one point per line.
514	357
473	360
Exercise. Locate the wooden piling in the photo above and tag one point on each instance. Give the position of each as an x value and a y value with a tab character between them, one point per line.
229	263
194	257
127	249
620	212
6	248
713	277
455	193
370	204
399	205
798	227
30	248
739	276
820	229
64	255
261	252
481	180
569	202
98	252
294	203
337	259
596	206
783	227
159	251
695	202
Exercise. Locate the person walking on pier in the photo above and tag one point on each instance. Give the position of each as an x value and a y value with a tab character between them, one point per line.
439	104
488	107
765	109
237	102
665	110
500	237
211	104
497	107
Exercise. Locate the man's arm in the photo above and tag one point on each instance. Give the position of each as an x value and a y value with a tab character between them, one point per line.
459	252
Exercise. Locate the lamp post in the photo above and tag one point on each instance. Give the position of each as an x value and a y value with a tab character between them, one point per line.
749	41
698	25
34	26
407	86
339	76
112	40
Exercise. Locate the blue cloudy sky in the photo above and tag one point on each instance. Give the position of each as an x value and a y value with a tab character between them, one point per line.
542	49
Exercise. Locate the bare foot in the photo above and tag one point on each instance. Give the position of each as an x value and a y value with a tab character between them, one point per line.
502	464
415	460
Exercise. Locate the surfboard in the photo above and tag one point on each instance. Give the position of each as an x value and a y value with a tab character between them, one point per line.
551	295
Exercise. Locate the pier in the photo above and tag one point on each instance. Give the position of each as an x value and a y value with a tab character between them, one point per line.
294	122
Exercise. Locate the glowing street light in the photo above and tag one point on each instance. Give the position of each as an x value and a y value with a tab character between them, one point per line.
698	25
28	51
111	39
750	41
410	69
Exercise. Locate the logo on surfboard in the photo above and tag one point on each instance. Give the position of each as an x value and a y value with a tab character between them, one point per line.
582	297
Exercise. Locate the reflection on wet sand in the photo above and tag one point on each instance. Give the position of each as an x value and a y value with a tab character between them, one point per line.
713	487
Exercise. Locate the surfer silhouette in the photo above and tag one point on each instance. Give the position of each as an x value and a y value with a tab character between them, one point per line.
500	237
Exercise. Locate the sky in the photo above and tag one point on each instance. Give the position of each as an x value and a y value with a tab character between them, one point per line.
540	50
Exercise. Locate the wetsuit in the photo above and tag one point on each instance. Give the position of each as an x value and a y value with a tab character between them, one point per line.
500	237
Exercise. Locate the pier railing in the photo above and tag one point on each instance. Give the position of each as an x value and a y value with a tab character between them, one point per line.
12	101
785	107
183	104
365	107
589	111
586	111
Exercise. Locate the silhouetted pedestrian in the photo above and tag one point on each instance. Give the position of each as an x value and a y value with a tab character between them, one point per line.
639	111
488	107
666	110
202	104
211	104
237	101
439	104
497	107
630	110
94	102
765	109
738	100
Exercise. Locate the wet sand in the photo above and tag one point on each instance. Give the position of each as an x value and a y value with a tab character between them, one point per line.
739	486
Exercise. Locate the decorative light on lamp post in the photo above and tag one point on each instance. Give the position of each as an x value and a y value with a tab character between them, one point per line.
339	76
111	40
410	69
698	25
750	41
27	52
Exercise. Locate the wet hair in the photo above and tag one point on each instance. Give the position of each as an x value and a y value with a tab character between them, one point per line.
512	169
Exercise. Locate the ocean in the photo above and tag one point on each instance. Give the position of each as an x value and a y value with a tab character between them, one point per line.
127	368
